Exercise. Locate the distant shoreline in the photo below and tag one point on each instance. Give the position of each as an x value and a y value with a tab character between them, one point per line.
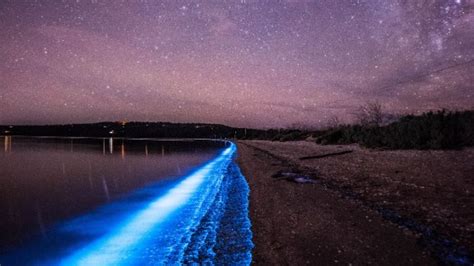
138	130
128	138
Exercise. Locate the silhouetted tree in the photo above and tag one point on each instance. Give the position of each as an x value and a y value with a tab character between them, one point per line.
333	122
370	114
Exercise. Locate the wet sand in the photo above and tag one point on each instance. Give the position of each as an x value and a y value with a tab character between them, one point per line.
320	223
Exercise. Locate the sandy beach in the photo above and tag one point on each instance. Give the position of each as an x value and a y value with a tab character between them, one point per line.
364	206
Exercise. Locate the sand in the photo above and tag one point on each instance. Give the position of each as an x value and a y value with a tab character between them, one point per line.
341	218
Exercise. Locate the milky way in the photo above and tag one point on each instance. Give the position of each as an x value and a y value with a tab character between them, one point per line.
240	63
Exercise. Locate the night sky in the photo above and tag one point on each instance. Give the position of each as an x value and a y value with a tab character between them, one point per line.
239	63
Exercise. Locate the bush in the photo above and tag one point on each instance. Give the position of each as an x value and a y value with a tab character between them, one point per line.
440	130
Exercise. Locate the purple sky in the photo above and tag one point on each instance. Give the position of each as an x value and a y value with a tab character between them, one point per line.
240	63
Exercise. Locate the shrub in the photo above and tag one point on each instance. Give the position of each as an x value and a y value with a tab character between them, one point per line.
440	130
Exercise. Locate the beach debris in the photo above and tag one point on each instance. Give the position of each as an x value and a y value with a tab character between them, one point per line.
325	155
294	177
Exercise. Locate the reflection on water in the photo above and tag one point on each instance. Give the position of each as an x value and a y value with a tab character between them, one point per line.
202	218
122	150
47	180
8	143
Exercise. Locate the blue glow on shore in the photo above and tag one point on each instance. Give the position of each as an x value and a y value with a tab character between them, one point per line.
201	219
116	247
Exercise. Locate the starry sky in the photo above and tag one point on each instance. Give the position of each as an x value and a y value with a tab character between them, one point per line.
241	63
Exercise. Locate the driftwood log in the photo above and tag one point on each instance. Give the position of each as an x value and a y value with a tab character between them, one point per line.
325	155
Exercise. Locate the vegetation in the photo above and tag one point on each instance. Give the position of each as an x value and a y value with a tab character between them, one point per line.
370	114
432	130
148	130
134	129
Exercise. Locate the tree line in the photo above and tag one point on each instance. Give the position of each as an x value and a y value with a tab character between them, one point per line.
431	130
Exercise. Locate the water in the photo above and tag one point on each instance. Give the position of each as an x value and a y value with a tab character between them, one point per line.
122	202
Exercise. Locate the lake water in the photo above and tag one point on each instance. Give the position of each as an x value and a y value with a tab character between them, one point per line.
81	201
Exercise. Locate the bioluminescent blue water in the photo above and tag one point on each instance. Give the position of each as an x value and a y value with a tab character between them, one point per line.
202	219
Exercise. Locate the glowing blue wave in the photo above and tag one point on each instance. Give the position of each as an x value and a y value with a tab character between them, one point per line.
201	219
